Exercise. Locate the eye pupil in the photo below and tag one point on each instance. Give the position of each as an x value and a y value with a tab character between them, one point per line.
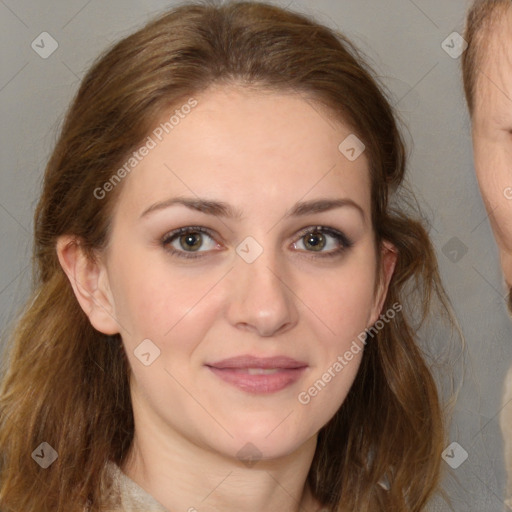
191	241
315	240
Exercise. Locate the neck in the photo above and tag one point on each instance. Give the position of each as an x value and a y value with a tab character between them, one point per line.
184	476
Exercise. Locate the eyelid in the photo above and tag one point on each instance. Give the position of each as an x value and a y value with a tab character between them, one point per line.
329	231
189	229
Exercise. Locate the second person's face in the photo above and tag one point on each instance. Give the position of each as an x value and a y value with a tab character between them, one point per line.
492	135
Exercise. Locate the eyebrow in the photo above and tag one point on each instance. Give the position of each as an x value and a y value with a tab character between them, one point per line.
225	210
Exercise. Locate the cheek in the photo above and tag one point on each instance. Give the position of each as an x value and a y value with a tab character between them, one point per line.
347	313
344	298
346	305
493	175
493	163
155	298
357	284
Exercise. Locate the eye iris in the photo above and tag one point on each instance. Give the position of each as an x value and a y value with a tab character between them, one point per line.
191	241
315	240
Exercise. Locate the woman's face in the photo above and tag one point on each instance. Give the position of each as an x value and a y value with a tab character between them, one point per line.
292	275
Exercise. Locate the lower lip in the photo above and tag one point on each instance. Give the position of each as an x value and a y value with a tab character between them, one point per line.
269	383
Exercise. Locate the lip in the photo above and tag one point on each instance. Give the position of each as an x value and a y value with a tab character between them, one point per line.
249	361
235	371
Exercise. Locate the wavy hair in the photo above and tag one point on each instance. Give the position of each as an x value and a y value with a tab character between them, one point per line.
67	384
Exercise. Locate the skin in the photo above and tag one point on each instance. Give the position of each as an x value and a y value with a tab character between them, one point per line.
492	135
260	152
492	148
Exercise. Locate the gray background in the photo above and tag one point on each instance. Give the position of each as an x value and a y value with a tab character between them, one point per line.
403	40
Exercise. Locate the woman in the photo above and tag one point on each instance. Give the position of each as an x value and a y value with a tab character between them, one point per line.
223	309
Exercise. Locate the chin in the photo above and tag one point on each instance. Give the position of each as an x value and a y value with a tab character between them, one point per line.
266	444
251	452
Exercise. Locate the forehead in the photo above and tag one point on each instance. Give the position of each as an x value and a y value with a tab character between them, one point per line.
235	143
493	68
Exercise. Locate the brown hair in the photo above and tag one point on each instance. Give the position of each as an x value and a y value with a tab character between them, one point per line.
67	384
480	21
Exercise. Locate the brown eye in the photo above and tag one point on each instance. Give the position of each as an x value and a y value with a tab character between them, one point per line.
191	241
325	241
315	241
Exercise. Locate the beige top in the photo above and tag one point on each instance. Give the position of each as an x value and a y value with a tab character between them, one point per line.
506	428
133	497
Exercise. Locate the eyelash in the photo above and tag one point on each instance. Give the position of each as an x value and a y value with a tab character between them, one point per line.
340	237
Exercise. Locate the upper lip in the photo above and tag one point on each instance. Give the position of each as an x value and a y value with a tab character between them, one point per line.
248	361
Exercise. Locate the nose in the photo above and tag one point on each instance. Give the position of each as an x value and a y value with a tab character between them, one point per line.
261	297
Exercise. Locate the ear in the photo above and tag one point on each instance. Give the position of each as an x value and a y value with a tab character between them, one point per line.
89	280
388	258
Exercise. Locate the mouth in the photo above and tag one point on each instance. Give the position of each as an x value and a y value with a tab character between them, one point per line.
259	375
